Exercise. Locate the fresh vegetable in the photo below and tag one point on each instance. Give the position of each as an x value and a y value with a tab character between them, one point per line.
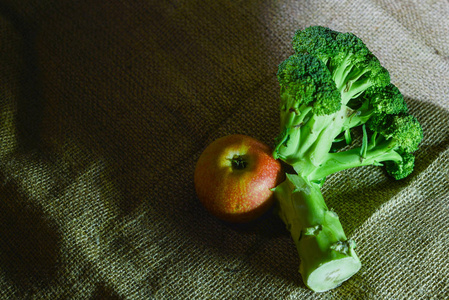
234	177
330	86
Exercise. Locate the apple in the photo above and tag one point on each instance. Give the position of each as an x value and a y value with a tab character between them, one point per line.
234	176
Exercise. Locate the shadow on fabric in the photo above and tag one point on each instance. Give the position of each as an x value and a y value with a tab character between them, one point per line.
29	240
29	104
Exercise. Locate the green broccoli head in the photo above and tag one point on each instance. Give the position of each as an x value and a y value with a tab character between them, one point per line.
401	168
317	41
376	101
398	135
385	100
305	80
402	130
332	84
353	67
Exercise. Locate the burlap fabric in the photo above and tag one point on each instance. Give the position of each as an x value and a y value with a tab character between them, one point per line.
106	105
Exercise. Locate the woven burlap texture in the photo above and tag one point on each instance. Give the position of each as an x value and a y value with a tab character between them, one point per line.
107	105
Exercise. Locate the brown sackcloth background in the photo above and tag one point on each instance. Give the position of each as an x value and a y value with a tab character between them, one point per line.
106	106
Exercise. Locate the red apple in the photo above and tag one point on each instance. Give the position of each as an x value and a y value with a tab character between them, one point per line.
234	176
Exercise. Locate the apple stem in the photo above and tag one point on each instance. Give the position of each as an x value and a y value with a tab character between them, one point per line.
238	162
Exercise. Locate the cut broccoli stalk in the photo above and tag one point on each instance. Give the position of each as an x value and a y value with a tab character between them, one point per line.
327	256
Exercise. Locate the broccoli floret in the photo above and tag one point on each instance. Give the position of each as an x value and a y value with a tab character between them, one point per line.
377	101
354	68
306	82
308	97
331	86
401	168
400	133
402	130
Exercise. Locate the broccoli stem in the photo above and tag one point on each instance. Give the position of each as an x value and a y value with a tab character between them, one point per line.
309	137
327	256
352	158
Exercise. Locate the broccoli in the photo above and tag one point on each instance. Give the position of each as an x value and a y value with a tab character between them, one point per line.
329	88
